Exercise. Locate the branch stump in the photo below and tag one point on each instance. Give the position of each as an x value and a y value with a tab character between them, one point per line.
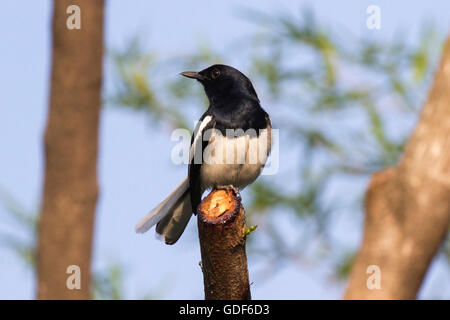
221	230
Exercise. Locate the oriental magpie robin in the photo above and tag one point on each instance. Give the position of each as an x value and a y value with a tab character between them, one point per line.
229	148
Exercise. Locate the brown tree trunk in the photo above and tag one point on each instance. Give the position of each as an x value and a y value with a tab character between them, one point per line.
408	206
71	143
221	229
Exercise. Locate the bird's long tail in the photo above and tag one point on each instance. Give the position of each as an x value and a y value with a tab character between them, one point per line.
171	216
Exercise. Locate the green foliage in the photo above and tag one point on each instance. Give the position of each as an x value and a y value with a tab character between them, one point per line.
445	249
27	222
135	90
344	265
335	100
250	230
108	284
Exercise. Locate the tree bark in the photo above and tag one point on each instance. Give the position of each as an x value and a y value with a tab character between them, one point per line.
221	229
408	206
71	146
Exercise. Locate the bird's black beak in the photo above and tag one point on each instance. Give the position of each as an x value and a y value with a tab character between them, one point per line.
194	75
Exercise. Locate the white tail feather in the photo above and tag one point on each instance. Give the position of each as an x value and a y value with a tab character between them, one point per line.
154	216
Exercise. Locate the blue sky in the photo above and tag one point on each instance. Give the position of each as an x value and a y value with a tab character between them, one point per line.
135	170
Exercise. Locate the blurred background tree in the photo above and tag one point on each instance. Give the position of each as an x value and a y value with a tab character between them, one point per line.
339	127
346	106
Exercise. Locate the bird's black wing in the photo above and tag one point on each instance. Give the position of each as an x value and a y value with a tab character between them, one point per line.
196	158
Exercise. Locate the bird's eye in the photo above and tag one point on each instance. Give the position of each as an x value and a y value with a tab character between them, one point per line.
215	73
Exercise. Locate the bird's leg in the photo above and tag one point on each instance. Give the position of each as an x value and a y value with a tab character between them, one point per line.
228	188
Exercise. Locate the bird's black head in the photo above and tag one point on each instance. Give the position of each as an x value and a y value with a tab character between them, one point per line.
224	83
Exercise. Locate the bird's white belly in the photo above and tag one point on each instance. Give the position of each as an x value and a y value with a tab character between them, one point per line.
234	161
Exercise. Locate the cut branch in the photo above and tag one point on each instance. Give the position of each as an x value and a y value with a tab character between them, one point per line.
221	229
408	207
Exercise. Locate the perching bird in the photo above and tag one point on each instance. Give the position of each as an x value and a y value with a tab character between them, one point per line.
219	157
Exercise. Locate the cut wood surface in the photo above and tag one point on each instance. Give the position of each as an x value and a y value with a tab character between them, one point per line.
221	228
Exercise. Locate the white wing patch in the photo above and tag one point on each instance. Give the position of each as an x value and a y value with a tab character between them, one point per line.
196	147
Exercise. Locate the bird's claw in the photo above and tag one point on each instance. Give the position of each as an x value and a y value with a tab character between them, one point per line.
231	188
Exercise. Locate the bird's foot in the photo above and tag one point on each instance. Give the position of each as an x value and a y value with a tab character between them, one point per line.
230	188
